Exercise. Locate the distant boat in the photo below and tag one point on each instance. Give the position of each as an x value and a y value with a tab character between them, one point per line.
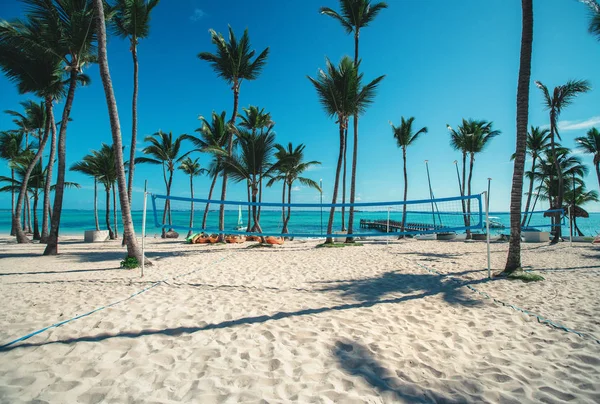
240	224
495	223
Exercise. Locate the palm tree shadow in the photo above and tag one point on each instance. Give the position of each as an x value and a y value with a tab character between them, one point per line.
357	360
395	282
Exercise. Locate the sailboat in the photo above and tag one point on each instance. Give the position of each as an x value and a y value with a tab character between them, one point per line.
240	224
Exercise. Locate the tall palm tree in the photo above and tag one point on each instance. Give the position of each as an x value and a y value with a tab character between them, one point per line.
561	97
11	148
193	169
537	142
131	20
165	151
590	144
576	198
22	42
594	17
88	166
342	95
458	141
256	119
133	250
291	165
233	63
355	14
405	137
252	164
213	136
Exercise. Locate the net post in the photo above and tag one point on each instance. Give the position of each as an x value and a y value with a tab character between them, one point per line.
570	227
487	226
387	238
144	226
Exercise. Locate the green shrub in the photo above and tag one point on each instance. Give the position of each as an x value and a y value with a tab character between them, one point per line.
130	263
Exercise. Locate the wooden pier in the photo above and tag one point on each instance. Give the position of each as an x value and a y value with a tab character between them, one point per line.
396	226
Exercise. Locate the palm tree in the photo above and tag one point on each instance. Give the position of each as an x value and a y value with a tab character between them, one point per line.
291	165
165	152
20	44
133	250
11	148
537	142
191	168
252	164
576	198
233	63
342	95
561	97
595	16
355	14
405	137
213	136
88	166
591	145
131	20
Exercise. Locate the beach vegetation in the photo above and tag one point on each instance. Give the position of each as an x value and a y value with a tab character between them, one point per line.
590	144
130	263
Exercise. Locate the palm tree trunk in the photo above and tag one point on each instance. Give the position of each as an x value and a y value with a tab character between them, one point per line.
36	224
133	121
405	192
192	206
513	261
528	193
579	232
49	170
289	209
210	192
111	234
16	219
260	189
129	233
115	212
52	245
464	185
256	227
28	215
12	202
249	228
169	194
344	181
283	201
349	239
598	171
471	162
236	94
329	239
559	192
96	203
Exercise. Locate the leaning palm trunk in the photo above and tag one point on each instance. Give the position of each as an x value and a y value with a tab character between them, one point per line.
403	224
329	239
468	216
96	203
559	193
129	233
513	261
528	193
27	225
21	237
344	181
111	234
36	224
133	124
249	227
289	210
210	192
52	245
350	239
49	170
12	202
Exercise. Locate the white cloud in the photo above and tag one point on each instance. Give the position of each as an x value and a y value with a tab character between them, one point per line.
577	125
296	188
197	15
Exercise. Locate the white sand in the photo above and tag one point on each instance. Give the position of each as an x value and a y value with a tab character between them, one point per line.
298	324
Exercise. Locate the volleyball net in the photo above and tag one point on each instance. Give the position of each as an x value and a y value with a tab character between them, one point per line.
310	220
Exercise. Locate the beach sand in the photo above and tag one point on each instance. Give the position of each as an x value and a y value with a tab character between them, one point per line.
365	324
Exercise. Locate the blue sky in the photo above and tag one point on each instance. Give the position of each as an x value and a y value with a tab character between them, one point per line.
443	61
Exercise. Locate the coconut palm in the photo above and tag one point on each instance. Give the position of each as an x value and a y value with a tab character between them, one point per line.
590	144
561	97
251	164
594	6
22	42
537	142
193	169
133	250
290	166
405	137
131	20
575	198
213	136
233	63
165	151
355	15
342	94
88	166
11	147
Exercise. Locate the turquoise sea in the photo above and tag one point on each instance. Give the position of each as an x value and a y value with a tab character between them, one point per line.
74	222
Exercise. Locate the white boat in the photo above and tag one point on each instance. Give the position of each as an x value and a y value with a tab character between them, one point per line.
495	223
240	225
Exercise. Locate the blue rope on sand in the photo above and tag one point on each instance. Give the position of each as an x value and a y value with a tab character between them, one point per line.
56	325
539	318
